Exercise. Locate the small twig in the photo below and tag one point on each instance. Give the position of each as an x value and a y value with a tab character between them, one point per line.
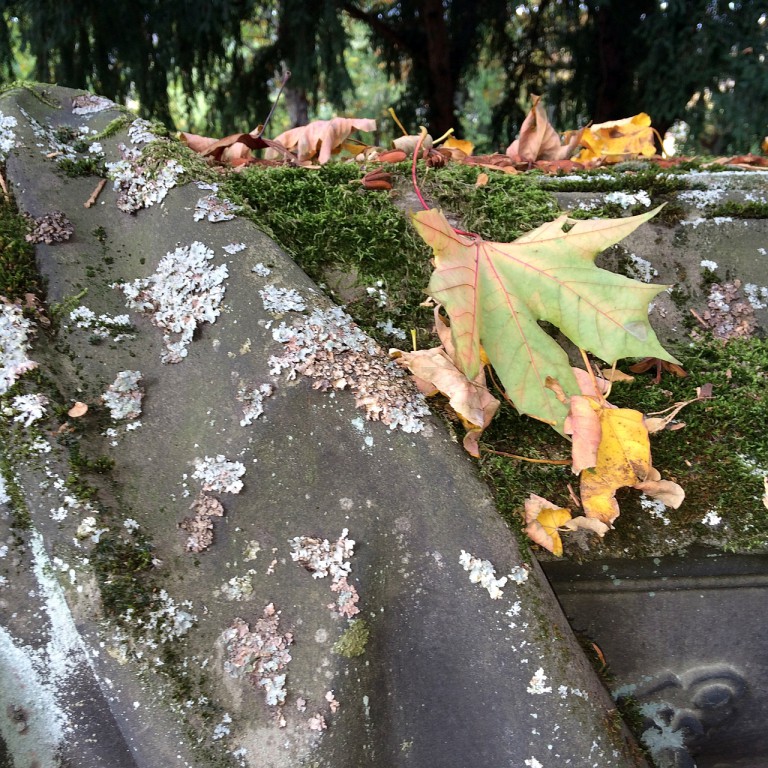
263	126
95	194
422	136
562	462
397	121
699	318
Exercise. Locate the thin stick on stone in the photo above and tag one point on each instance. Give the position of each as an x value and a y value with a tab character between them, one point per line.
94	196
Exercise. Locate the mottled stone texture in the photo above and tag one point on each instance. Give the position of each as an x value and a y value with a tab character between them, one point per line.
448	677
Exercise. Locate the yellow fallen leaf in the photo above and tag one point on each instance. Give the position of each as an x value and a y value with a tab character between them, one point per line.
618	140
482	179
623	459
543	519
464	146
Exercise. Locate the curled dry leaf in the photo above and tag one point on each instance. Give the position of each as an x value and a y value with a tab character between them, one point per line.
234	150
377	180
459	148
542	520
408	144
320	138
587	524
617	140
434	372
538	140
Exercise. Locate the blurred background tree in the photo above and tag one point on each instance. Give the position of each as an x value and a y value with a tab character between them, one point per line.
213	66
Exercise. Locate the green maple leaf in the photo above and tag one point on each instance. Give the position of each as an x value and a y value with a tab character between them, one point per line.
496	293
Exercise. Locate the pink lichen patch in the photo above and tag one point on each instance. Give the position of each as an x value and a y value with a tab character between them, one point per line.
89	104
124	395
200	525
15	332
259	654
184	291
730	314
51	228
346	602
317	723
328	347
321	559
332	702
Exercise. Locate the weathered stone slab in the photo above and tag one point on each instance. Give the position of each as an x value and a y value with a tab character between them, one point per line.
239	655
685	639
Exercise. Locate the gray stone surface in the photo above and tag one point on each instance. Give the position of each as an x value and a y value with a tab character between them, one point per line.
449	676
686	639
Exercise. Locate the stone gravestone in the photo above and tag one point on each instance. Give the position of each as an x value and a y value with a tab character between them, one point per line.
256	547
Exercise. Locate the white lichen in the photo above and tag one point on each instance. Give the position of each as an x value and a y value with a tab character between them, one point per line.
712	518
141	182
27	409
537	684
280	300
123	397
139	131
321	559
15	332
626	200
7	135
238	588
102	326
219	475
184	291
252	399
708	264
483	573
89	529
214	209
234	248
390	329
262	270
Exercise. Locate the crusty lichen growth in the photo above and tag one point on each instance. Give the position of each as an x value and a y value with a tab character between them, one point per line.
354	640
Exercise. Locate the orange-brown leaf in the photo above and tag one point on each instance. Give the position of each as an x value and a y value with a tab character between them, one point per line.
538	140
320	138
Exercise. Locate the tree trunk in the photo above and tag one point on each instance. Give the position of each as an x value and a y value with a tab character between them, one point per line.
442	86
298	106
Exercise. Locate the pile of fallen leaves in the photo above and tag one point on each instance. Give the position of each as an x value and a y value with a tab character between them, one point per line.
490	299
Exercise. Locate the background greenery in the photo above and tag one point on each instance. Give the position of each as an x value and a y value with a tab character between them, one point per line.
213	66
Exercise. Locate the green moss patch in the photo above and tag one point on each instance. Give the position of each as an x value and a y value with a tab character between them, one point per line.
352	643
18	268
